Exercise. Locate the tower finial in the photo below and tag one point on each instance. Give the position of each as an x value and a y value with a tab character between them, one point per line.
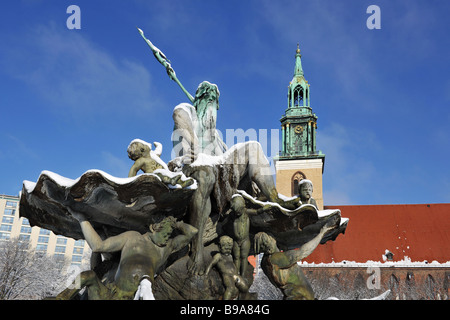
298	62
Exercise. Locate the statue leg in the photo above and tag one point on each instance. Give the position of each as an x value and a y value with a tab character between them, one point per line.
258	166
237	255
200	210
300	289
245	249
184	139
231	291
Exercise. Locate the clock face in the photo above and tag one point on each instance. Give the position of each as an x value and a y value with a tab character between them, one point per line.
298	129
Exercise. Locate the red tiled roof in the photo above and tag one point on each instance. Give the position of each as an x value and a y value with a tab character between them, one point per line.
418	231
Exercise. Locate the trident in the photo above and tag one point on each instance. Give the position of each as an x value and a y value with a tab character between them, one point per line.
166	63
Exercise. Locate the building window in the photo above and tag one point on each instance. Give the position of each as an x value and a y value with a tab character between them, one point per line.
5	236
43	239
41	248
60	249
25	222
25	229
79	243
11	204
7	219
389	256
9	212
24	237
76	259
298	96
44	232
296	178
78	250
6	227
61	240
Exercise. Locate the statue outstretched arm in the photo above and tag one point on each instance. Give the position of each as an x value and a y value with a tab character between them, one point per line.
112	244
161	57
96	243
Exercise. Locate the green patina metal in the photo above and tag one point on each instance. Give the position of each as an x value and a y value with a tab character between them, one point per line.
299	123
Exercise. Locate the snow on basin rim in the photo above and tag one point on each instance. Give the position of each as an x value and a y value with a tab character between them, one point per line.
67	182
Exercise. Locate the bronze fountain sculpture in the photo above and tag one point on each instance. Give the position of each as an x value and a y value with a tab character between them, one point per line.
184	230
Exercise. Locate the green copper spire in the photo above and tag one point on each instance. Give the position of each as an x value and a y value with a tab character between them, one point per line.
298	96
299	123
298	63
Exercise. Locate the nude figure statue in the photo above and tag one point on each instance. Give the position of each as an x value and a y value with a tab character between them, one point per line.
141	257
245	159
281	267
223	261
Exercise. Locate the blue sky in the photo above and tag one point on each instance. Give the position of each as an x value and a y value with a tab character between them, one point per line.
72	100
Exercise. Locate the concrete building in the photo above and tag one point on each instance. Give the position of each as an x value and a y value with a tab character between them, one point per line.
41	240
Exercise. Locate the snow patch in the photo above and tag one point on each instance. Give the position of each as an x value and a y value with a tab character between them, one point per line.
68	183
406	262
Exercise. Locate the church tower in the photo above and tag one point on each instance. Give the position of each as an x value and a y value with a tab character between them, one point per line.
299	158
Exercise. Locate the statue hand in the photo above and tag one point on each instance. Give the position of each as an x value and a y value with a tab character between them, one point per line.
171	72
188	158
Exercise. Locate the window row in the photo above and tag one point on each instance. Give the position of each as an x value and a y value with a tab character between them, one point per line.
9	212
6	227
11	204
8	219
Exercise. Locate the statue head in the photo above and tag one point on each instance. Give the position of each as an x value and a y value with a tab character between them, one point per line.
238	204
207	93
305	189
265	243
137	149
160	232
226	244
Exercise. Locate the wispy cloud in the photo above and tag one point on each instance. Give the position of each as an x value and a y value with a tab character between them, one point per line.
76	77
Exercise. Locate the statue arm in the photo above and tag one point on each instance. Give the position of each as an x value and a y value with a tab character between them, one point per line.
188	232
135	168
214	261
111	244
158	148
